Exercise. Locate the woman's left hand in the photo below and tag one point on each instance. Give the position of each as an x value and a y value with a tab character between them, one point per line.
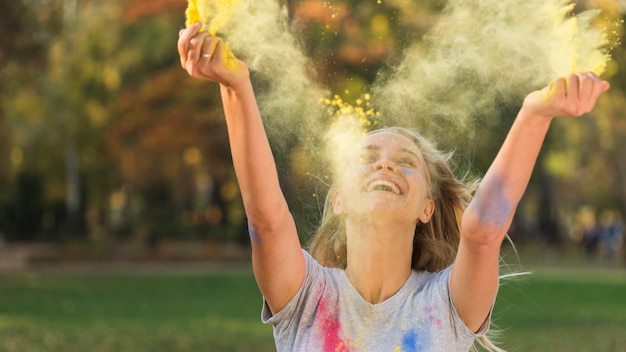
573	95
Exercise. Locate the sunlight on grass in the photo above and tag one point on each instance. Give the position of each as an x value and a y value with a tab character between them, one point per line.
564	311
545	311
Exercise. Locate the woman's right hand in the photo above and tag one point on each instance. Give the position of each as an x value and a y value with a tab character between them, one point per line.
207	57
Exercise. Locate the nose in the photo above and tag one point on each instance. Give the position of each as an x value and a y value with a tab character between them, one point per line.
386	165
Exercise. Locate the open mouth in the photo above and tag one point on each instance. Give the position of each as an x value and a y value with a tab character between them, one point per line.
383	185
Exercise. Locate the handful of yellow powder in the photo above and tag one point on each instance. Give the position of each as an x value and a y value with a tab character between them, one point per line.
213	14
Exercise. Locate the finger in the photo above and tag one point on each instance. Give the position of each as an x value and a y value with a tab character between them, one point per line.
572	87
586	84
195	47
212	52
183	41
209	48
598	87
605	86
184	35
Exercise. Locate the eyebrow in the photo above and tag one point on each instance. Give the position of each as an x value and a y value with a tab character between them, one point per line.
373	147
410	152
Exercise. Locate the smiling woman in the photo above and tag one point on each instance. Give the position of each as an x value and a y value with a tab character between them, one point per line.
406	258
400	154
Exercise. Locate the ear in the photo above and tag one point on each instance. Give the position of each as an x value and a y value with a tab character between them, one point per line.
427	212
337	203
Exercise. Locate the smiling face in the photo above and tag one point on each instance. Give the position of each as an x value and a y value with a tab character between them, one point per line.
385	176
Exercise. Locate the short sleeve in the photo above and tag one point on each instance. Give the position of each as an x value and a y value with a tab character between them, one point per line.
456	317
284	316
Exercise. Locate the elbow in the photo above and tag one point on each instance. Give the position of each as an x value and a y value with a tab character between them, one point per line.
486	227
266	222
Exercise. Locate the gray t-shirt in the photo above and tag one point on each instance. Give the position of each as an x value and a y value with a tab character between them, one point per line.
327	314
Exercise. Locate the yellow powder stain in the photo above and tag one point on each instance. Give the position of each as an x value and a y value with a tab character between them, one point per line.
213	14
230	61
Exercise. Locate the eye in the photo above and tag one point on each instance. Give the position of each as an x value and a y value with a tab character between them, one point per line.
367	158
407	162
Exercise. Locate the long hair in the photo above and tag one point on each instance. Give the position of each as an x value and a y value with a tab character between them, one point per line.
436	242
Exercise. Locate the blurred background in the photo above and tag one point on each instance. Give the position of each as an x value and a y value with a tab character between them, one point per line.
110	153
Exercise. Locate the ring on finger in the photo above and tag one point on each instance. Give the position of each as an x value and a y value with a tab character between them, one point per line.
206	55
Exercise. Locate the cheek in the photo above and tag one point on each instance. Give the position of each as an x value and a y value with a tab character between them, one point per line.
420	184
408	172
359	168
352	173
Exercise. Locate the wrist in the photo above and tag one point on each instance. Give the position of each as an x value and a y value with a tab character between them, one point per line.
533	118
238	82
237	87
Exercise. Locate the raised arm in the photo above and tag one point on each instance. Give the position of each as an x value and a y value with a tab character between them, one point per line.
277	259
474	277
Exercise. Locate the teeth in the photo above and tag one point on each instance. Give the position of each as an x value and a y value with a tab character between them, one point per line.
382	185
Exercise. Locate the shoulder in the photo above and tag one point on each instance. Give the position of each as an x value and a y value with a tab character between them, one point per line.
319	281
426	280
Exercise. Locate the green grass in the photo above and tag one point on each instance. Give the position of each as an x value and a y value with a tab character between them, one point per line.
564	311
556	311
209	312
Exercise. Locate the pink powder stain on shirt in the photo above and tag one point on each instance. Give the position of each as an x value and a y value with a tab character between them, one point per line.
331	329
431	316
434	320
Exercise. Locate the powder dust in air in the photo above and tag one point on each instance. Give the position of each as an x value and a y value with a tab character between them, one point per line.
479	55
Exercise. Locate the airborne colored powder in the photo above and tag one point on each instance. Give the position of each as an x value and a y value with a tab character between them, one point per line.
478	55
484	53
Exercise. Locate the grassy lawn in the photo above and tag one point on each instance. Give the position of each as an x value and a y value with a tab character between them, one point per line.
564	311
547	311
132	312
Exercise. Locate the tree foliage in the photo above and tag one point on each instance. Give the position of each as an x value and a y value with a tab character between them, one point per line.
97	115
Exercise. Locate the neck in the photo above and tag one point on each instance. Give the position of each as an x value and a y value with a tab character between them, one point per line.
379	258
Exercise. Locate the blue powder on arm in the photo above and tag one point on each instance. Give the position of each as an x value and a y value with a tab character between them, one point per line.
254	235
491	203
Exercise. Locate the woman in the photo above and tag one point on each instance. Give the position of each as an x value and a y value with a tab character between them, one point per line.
397	221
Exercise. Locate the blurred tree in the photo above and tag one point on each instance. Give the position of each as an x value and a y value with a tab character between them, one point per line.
56	109
25	31
169	139
350	41
97	118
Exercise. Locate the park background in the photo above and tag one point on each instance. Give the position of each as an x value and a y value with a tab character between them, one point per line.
121	225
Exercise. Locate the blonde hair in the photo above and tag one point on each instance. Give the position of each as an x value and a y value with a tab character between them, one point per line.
436	242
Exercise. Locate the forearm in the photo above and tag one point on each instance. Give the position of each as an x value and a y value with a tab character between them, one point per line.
490	213
474	281
252	157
